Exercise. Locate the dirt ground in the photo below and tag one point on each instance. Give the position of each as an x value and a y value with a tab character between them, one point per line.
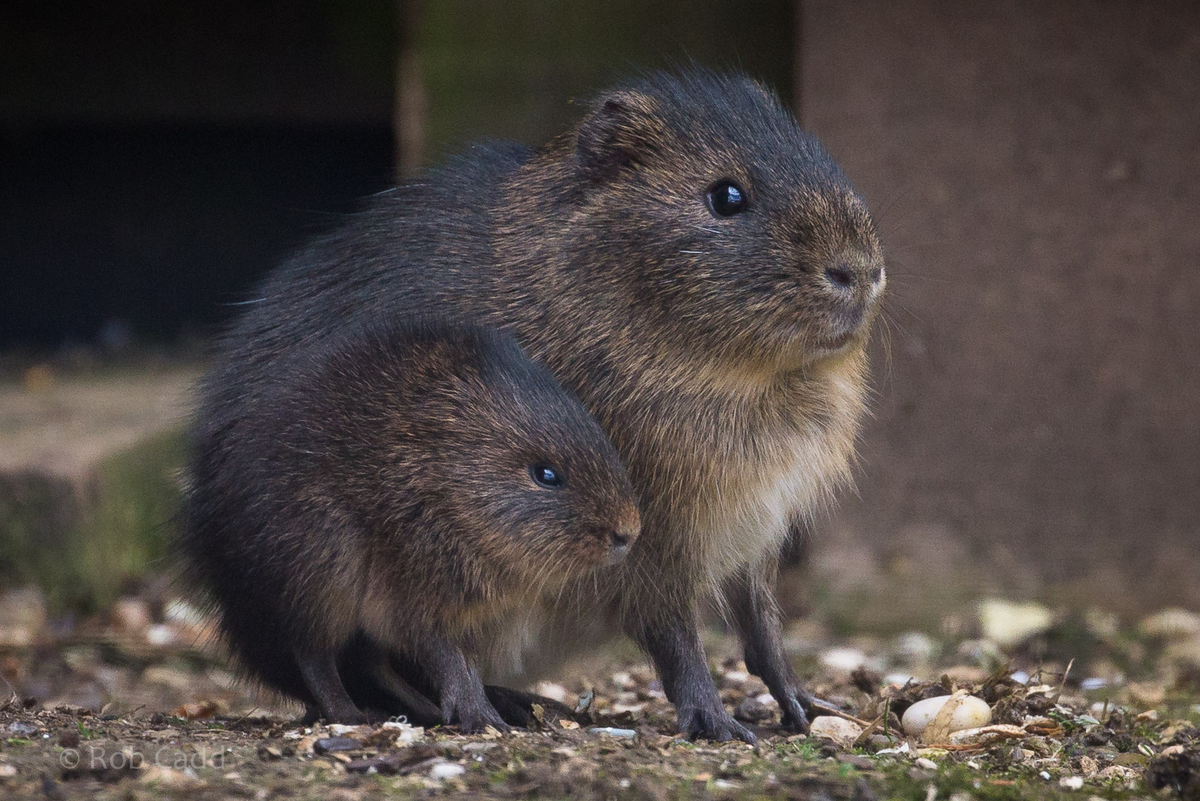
140	703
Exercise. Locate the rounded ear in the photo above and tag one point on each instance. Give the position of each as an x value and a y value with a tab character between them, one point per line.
621	130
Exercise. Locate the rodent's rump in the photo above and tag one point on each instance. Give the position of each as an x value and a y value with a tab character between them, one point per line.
698	271
410	485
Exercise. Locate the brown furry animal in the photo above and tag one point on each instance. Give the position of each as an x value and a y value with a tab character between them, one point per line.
397	494
701	274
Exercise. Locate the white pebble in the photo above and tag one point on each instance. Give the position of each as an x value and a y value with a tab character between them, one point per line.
628	734
841	731
1071	782
845	659
915	647
446	770
160	634
1006	623
970	713
555	692
926	764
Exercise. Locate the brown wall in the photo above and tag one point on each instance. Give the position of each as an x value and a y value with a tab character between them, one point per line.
1035	168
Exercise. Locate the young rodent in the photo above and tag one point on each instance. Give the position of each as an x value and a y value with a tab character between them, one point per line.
700	273
409	487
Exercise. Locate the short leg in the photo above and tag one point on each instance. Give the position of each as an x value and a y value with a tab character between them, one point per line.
461	695
320	674
516	706
406	699
756	614
672	640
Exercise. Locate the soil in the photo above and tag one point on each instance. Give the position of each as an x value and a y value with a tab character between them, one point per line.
140	703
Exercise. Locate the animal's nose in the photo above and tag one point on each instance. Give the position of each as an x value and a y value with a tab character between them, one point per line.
845	275
625	533
840	277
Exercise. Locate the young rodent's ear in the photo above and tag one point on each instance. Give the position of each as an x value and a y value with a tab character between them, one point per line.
622	129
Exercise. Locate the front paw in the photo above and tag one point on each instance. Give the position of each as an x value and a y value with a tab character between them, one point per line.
718	726
794	717
474	718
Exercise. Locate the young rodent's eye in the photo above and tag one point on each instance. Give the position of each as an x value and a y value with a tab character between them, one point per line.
547	475
727	199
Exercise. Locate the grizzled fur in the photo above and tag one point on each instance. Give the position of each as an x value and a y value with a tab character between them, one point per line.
379	490
724	356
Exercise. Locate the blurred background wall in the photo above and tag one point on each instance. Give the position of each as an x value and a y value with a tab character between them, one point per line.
1035	168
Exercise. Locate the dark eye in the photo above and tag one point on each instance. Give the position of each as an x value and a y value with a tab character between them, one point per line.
546	475
726	199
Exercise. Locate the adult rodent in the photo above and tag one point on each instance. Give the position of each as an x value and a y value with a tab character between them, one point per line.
400	489
701	274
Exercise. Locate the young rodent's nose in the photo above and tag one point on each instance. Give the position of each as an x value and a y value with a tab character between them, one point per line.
621	537
839	276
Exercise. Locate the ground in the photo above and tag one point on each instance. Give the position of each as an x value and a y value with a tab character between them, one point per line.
139	702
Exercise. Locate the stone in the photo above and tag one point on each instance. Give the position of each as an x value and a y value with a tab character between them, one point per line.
446	770
1006	623
840	731
1172	624
968	712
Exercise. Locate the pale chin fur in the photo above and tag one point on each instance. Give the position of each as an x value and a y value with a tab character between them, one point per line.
756	496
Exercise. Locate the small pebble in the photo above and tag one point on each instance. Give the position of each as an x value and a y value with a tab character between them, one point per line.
446	770
1172	623
915	647
22	729
160	634
7	771
752	710
1071	782
926	764
1006	623
736	677
843	659
328	745
840	731
555	692
611	732
860	762
971	713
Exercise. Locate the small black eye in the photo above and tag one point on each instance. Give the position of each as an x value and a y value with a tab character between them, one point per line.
546	475
726	199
